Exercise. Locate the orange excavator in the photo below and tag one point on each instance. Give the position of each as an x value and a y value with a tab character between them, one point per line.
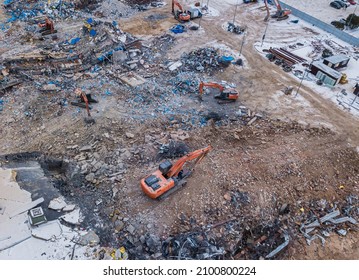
47	27
169	178
180	14
281	14
226	95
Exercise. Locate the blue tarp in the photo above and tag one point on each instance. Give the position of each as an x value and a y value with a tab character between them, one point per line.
74	41
178	29
93	32
7	2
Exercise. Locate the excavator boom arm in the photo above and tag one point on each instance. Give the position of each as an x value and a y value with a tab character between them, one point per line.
175	3
267	8
178	166
279	7
213	85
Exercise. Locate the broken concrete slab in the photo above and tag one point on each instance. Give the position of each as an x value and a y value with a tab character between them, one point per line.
57	204
131	229
48	231
86	148
25	207
173	66
119	57
90	238
10	190
130	135
132	79
73	217
69	208
50	87
14	231
90	177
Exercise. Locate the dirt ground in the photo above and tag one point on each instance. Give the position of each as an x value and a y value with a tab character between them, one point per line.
296	153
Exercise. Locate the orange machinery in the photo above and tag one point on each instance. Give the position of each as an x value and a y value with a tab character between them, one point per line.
281	14
48	26
169	178
225	95
83	98
180	14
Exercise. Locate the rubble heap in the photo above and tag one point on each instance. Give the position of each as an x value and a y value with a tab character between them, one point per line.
201	60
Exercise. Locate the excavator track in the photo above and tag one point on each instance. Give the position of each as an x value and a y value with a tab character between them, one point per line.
181	183
176	188
225	101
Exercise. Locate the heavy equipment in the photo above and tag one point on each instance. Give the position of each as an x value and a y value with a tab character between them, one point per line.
180	14
170	177
226	95
184	15
281	14
47	27
83	102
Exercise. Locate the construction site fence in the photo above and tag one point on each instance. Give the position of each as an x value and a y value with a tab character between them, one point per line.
322	25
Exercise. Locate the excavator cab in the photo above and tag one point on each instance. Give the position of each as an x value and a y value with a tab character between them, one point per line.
182	16
229	94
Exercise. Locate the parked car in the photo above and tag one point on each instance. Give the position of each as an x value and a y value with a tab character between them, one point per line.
335	5
342	3
352	2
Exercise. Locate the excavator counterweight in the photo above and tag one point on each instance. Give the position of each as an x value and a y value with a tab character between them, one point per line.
170	176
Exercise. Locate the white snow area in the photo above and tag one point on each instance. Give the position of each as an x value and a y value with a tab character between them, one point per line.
19	240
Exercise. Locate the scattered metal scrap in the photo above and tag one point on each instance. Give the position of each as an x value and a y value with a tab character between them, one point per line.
235	28
7	84
192	245
201	60
325	225
280	247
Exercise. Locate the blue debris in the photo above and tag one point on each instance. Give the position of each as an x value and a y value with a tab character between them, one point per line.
104	56
7	2
179	28
95	69
24	14
295	21
89	20
74	41
4	26
227	58
93	32
1	105
107	92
